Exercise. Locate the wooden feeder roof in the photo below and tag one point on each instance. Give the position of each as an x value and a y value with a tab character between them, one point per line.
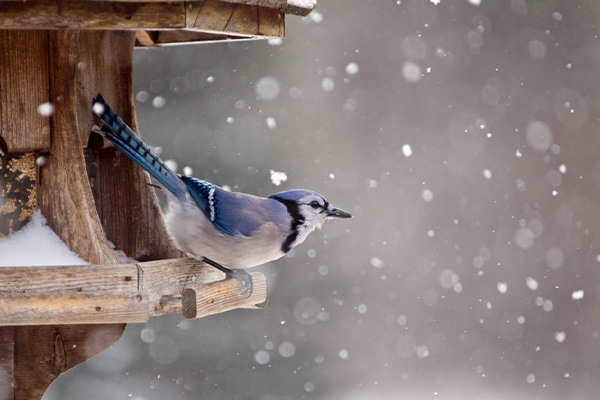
159	23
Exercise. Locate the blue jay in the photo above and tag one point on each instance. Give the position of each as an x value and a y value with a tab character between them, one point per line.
230	231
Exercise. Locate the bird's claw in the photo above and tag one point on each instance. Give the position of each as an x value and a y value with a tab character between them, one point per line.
244	278
238	274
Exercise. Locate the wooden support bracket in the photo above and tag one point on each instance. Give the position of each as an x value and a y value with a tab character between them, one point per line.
122	293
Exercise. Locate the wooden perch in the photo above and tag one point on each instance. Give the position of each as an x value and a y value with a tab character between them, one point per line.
120	293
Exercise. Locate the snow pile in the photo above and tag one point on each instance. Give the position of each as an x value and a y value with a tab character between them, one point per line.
36	244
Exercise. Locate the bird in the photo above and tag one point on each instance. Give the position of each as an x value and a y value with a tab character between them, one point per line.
230	231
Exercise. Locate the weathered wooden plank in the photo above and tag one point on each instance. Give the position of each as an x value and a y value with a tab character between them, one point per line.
65	196
120	293
77	14
296	7
209	17
23	87
69	279
73	308
125	202
7	362
44	352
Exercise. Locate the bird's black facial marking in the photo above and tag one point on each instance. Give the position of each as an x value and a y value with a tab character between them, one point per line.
297	220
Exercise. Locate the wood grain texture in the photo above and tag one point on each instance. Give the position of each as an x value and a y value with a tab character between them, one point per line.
7	362
211	17
23	87
234	19
102	294
83	15
43	353
296	7
65	196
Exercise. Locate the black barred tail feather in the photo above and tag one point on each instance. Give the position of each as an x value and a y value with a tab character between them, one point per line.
123	138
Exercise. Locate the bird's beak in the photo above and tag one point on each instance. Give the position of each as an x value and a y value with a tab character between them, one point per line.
333	212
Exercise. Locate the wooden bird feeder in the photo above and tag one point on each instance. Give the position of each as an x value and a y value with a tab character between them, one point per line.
61	53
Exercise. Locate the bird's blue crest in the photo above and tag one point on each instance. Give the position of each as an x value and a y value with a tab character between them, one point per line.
292	195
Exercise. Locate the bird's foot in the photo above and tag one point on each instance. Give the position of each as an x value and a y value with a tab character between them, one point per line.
238	274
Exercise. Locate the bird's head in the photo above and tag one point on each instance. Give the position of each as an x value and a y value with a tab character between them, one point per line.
308	211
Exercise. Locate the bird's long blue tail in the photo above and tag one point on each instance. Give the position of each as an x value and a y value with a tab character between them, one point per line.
124	139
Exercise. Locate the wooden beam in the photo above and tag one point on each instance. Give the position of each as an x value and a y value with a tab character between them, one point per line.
24	87
77	14
208	17
120	293
296	7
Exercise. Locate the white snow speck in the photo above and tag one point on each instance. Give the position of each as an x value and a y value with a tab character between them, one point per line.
518	153
407	150
562	169
41	161
487	174
577	295
278	177
560	336
411	72
98	108
210	79
171	164
475	2
435	2
557	16
376	262
531	283
332	176
530	378
352	68
502	287
159	102
271	123
275	41
187	171
315	16
46	109
343	354
427	195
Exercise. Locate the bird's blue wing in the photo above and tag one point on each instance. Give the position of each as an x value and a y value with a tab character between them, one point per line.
233	214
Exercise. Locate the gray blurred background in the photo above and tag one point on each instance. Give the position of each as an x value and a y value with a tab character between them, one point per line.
464	138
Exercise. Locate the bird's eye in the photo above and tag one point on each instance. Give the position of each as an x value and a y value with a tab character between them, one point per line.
315	204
